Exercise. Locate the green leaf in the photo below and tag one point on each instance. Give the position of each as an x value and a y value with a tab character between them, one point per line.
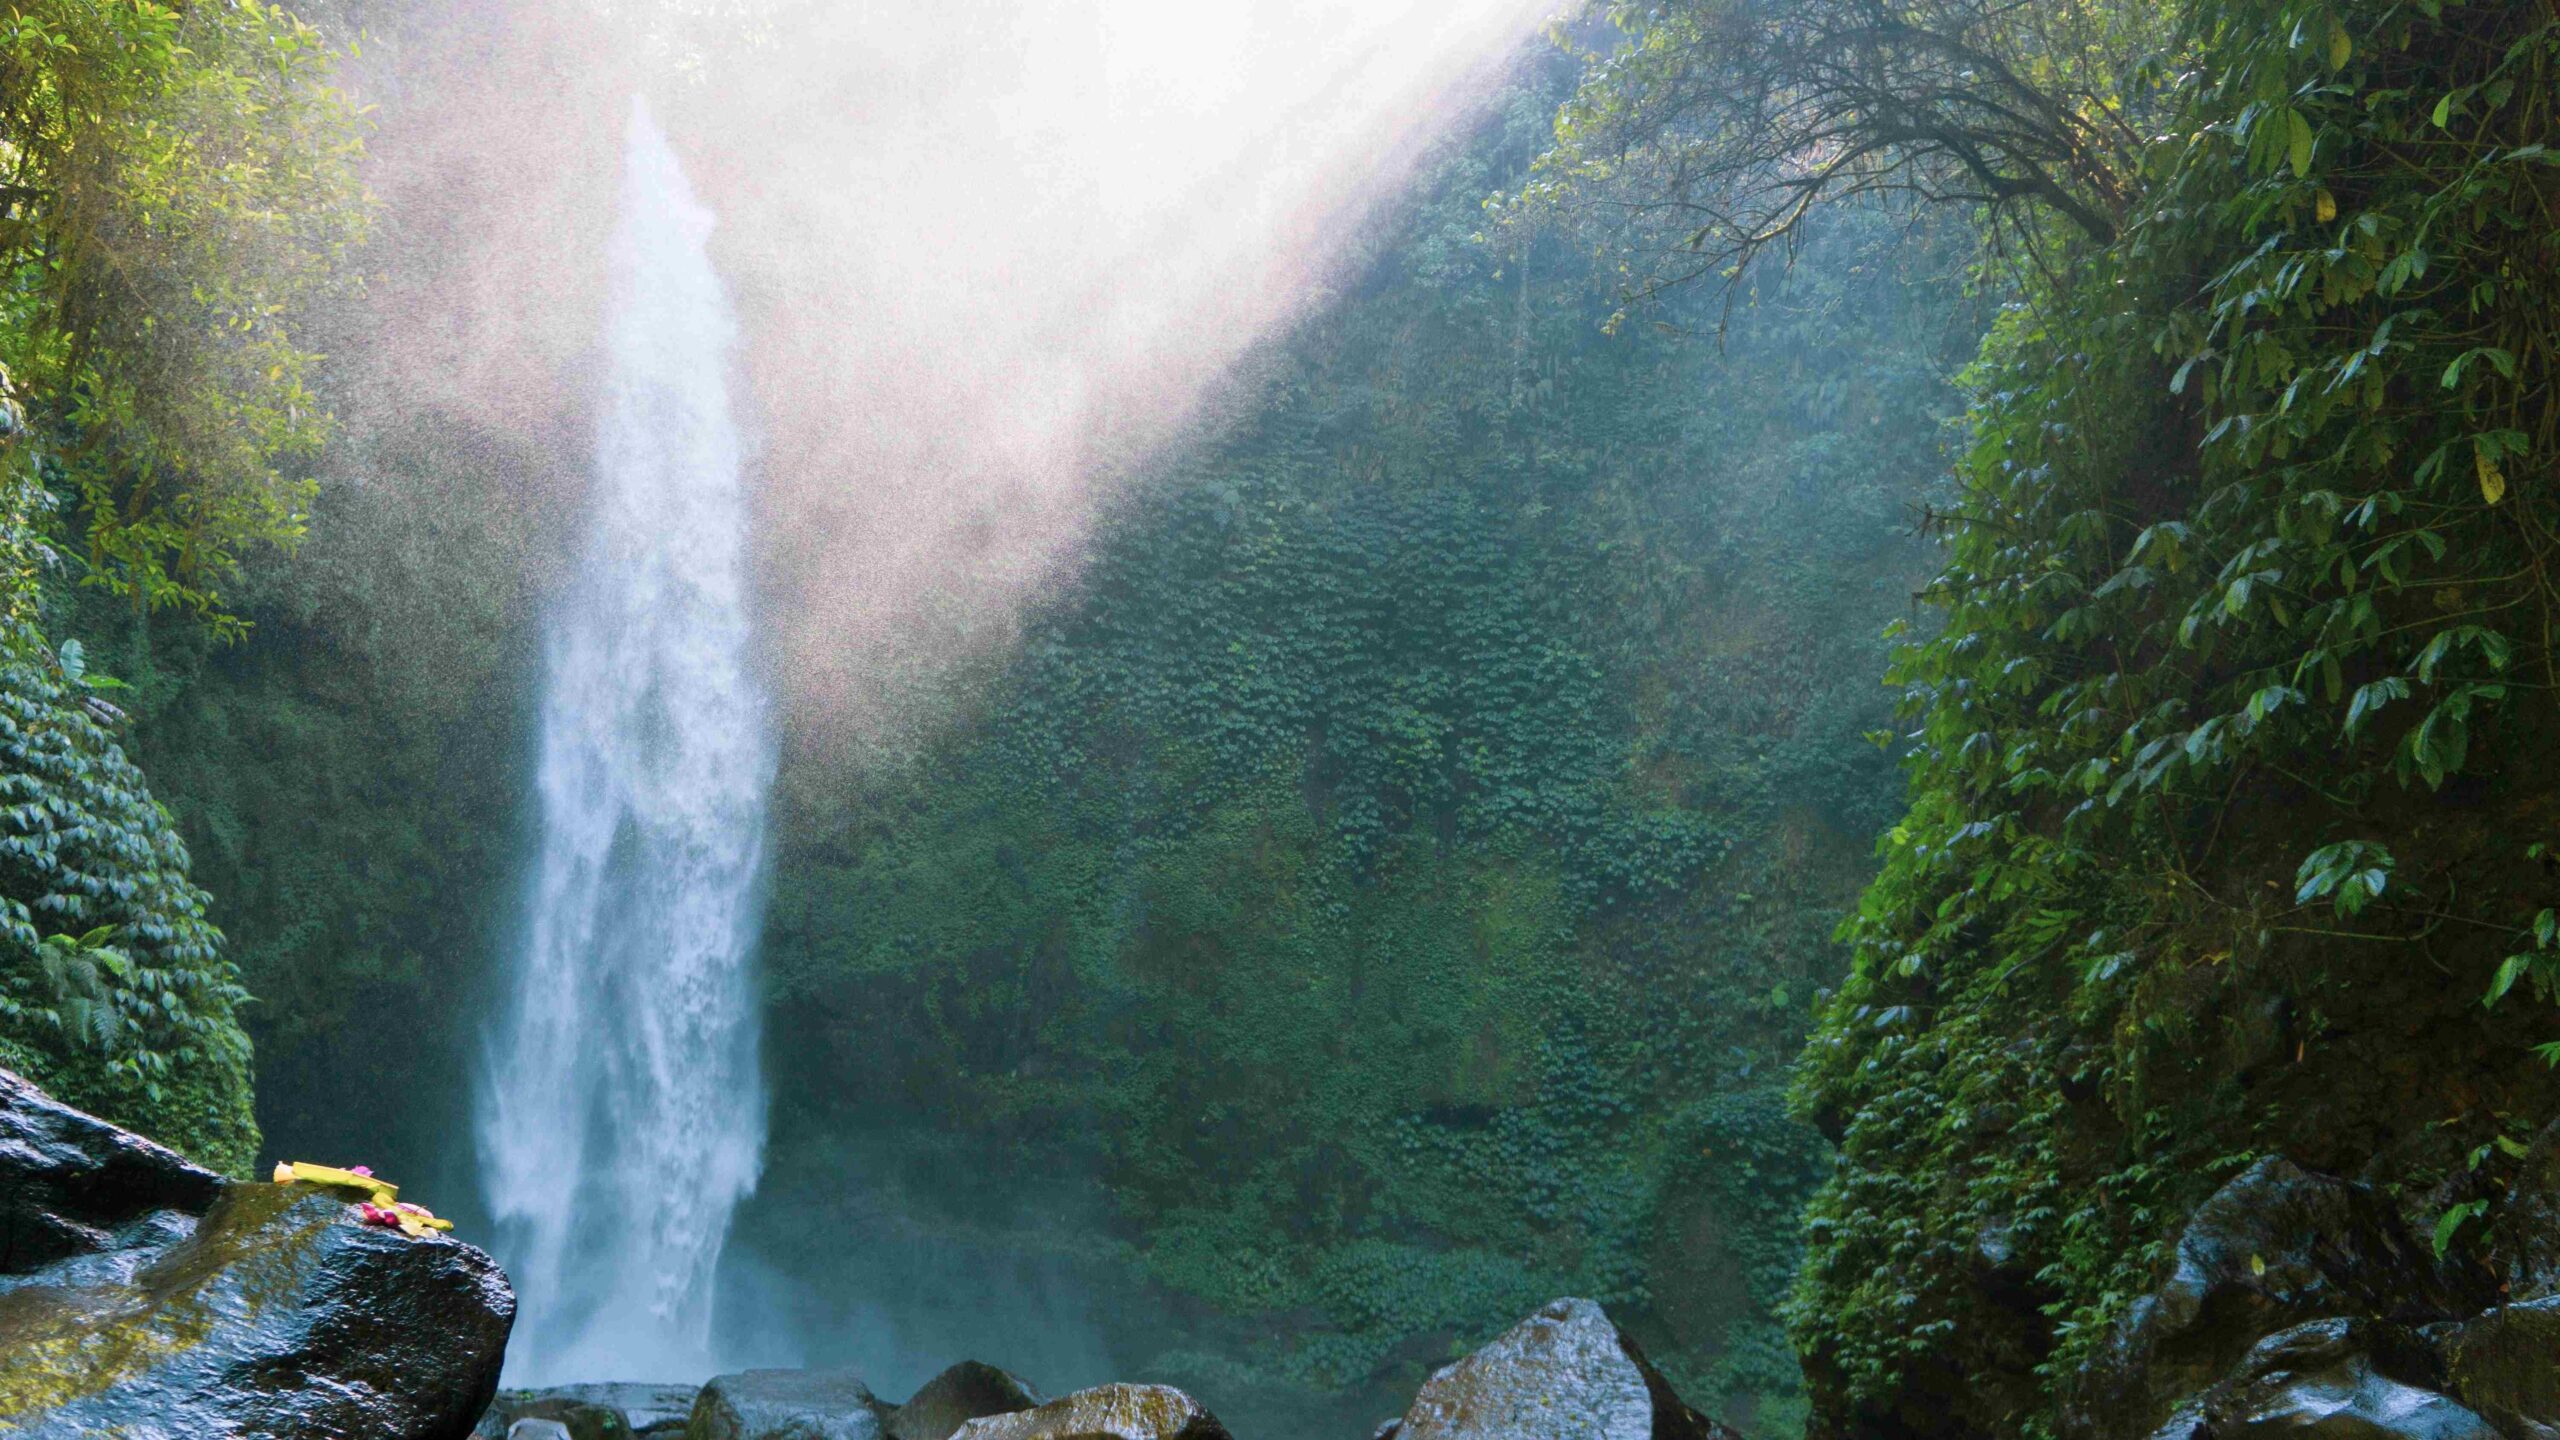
2510	971
2493	481
2299	151
2452	1220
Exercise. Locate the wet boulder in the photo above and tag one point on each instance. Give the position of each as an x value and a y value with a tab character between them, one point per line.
76	1191
2332	1380
1565	1373
2276	1248
965	1392
1105	1412
596	1412
786	1405
143	1297
2505	1363
2529	1220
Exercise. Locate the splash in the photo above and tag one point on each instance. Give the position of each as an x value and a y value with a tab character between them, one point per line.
623	1118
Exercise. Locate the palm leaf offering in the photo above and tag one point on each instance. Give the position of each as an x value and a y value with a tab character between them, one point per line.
383	1208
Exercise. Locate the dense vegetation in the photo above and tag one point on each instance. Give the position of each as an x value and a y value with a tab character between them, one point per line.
1393	883
177	184
2230	766
1400	867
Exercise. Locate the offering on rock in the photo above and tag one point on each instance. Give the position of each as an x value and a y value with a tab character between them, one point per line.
385	1209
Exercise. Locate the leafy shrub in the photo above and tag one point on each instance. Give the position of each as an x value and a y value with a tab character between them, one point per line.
113	989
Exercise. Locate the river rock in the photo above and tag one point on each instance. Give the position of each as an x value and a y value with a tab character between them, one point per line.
145	1298
1565	1373
2505	1363
786	1405
2332	1380
77	1191
965	1392
1105	1412
595	1412
2276	1248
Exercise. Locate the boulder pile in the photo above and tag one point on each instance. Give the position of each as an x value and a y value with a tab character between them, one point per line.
1565	1373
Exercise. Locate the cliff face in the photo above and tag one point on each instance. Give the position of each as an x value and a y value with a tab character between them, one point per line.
2232	766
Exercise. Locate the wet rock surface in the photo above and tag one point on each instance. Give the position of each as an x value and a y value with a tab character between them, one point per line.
145	1298
1565	1373
965	1392
595	1412
2348	1379
2300	1304
786	1405
75	1188
2505	1363
1105	1412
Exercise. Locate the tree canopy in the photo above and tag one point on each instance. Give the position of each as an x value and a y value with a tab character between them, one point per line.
177	185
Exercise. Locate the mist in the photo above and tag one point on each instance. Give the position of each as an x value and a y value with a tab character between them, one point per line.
990	261
988	257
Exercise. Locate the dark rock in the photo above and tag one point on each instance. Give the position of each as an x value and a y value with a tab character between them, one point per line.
1387	1430
2277	1247
2529	1219
965	1392
73	1186
278	1315
1565	1373
598	1412
1105	1412
2505	1364
143	1297
786	1405
2332	1380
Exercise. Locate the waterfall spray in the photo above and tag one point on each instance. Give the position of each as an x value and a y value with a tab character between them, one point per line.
623	1116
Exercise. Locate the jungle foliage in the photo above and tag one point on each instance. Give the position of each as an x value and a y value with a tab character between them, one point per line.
113	990
1400	866
2230	764
175	185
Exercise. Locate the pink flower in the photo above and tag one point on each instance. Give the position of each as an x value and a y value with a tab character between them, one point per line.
376	1215
364	1170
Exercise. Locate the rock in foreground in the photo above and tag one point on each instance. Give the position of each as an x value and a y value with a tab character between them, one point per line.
785	1405
1105	1412
596	1412
143	1297
965	1392
1564	1373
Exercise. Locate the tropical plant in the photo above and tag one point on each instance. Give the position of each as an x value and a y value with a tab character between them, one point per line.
177	185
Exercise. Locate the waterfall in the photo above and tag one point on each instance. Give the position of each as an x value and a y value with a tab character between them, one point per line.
623	1115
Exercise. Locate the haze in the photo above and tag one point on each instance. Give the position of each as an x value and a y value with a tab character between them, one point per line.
987	255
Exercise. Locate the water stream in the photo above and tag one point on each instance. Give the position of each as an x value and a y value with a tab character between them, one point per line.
623	1116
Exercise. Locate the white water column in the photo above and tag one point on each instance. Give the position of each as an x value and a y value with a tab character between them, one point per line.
623	1115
